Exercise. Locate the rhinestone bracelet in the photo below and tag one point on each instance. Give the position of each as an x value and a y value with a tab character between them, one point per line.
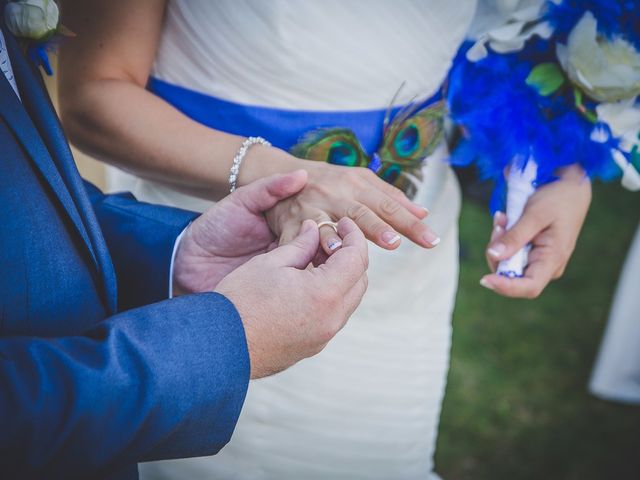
237	160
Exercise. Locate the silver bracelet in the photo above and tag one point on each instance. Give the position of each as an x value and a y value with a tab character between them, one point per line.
237	160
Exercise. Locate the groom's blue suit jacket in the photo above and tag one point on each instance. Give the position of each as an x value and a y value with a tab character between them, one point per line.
97	372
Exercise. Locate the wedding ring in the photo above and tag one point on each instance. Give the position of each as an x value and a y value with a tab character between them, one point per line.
328	223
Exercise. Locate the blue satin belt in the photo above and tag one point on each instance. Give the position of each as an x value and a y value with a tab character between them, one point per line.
282	127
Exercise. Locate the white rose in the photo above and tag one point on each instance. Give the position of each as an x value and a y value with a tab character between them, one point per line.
607	70
34	19
506	25
623	119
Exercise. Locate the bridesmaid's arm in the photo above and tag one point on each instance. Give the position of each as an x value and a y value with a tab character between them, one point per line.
108	113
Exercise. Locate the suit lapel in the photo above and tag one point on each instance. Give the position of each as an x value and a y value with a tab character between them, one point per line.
42	137
20	123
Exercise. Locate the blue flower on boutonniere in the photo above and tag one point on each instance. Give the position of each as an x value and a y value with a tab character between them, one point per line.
37	24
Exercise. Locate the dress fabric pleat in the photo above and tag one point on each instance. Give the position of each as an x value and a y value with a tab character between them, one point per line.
368	406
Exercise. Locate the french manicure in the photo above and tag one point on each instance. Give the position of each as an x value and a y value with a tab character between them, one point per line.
390	238
496	250
431	238
333	243
486	284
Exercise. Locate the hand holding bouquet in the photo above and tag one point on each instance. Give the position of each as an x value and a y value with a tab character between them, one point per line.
546	86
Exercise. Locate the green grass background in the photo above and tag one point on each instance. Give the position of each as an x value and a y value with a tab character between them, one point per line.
516	405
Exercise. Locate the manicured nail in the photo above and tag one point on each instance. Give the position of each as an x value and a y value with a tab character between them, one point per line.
496	250
486	284
498	216
333	243
390	238
498	229
431	238
426	210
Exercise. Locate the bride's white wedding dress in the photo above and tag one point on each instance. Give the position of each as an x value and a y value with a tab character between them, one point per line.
368	406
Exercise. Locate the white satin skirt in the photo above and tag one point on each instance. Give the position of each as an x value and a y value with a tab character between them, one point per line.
368	406
616	375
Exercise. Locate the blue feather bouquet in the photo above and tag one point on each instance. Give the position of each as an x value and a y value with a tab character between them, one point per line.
546	85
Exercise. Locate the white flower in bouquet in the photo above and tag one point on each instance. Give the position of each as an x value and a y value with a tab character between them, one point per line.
607	70
505	26
32	19
623	119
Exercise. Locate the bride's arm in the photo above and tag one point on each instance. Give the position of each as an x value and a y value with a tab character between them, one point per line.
108	113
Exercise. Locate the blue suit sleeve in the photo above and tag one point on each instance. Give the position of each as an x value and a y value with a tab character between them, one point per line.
164	381
140	238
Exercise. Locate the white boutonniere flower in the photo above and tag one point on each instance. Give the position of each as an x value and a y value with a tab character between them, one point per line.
32	19
607	70
36	23
505	26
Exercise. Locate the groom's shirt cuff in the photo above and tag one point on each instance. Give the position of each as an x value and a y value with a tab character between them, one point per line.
173	259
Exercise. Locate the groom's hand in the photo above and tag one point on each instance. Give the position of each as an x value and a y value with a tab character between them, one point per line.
291	309
231	232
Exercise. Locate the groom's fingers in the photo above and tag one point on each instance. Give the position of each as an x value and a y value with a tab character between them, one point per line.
263	194
300	251
353	297
348	303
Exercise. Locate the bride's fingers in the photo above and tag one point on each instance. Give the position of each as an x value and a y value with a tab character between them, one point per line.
500	220
399	218
537	276
395	193
330	241
499	229
375	229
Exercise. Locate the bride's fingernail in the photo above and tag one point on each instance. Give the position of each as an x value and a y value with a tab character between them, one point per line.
498	216
390	238
333	243
486	284
497	250
431	238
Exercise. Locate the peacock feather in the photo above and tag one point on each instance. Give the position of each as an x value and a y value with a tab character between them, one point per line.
413	136
338	146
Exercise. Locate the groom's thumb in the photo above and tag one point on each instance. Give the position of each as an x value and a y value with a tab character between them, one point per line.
263	194
301	250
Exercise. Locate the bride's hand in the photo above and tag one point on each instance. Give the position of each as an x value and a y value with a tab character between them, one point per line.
380	210
551	223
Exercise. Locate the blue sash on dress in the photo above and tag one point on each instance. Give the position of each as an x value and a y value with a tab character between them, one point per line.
282	127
